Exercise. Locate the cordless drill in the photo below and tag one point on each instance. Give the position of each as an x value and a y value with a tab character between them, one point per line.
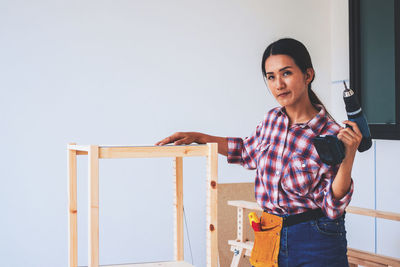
330	149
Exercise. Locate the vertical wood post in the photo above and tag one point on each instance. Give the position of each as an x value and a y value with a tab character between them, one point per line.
211	210
93	156
178	209
72	207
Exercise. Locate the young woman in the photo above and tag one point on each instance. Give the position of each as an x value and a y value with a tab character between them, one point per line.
291	181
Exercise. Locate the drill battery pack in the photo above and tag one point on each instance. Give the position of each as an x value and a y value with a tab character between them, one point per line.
330	149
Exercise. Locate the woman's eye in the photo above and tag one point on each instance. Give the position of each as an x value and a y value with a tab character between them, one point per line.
270	77
286	73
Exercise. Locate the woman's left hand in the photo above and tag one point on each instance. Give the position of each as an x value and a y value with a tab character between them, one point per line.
351	138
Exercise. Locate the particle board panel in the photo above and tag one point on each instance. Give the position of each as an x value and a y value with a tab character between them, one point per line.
227	219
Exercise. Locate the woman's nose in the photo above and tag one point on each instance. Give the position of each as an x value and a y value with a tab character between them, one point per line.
280	84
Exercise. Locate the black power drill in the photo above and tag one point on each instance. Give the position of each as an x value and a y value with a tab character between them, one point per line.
330	149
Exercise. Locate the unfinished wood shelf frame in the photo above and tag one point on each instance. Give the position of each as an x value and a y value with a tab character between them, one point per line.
96	152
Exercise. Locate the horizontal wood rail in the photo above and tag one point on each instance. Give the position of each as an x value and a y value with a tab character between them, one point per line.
110	152
350	209
374	213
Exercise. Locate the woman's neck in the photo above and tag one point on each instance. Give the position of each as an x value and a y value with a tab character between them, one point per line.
301	112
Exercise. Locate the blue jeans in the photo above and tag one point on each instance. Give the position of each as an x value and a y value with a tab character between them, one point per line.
316	243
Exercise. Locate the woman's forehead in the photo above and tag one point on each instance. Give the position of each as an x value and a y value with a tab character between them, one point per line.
275	63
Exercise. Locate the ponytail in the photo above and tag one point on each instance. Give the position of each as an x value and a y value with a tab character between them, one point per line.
316	101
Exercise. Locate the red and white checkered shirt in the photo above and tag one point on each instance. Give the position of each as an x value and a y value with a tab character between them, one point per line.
290	177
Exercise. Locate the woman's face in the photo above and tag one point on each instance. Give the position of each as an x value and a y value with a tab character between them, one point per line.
287	82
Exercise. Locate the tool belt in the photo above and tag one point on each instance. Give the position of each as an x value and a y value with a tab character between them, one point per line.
267	241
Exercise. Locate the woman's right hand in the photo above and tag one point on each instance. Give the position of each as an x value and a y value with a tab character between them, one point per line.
181	138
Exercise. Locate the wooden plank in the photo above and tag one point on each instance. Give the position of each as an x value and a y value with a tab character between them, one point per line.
212	203
73	146
374	213
245	204
178	209
372	257
246	245
93	206
153	151
349	209
153	264
72	209
237	254
363	262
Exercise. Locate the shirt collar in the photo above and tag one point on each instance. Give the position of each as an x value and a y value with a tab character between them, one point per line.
316	124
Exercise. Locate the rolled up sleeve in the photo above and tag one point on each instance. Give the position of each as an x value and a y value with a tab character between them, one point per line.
243	151
332	207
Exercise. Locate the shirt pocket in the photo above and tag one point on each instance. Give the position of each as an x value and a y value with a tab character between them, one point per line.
300	176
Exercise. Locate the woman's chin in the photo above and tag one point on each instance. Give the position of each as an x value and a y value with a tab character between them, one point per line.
285	102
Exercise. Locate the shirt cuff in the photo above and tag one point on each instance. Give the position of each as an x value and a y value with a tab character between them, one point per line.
235	147
336	207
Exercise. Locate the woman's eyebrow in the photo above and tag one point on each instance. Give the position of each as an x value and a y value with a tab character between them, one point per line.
284	68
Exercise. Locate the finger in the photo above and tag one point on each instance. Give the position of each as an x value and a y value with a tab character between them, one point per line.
357	136
354	126
354	132
348	136
166	140
159	143
350	132
345	138
183	141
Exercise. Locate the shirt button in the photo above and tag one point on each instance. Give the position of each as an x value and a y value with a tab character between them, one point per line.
303	165
277	172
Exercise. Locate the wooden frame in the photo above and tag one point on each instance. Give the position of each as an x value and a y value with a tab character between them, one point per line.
96	152
355	257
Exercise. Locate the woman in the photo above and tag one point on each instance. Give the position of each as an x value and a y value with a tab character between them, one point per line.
291	181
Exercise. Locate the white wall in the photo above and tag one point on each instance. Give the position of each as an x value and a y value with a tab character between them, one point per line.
129	72
375	171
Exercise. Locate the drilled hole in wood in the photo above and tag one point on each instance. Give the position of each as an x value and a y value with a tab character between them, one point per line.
212	228
213	184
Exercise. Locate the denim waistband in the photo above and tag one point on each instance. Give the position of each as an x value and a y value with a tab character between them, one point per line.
289	220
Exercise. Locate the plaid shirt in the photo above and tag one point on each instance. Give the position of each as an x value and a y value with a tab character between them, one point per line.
290	177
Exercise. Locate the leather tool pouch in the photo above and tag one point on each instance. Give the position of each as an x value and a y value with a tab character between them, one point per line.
266	243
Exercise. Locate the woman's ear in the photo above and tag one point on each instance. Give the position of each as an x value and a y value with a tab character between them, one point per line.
309	75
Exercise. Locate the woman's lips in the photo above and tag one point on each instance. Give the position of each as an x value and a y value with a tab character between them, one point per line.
283	94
